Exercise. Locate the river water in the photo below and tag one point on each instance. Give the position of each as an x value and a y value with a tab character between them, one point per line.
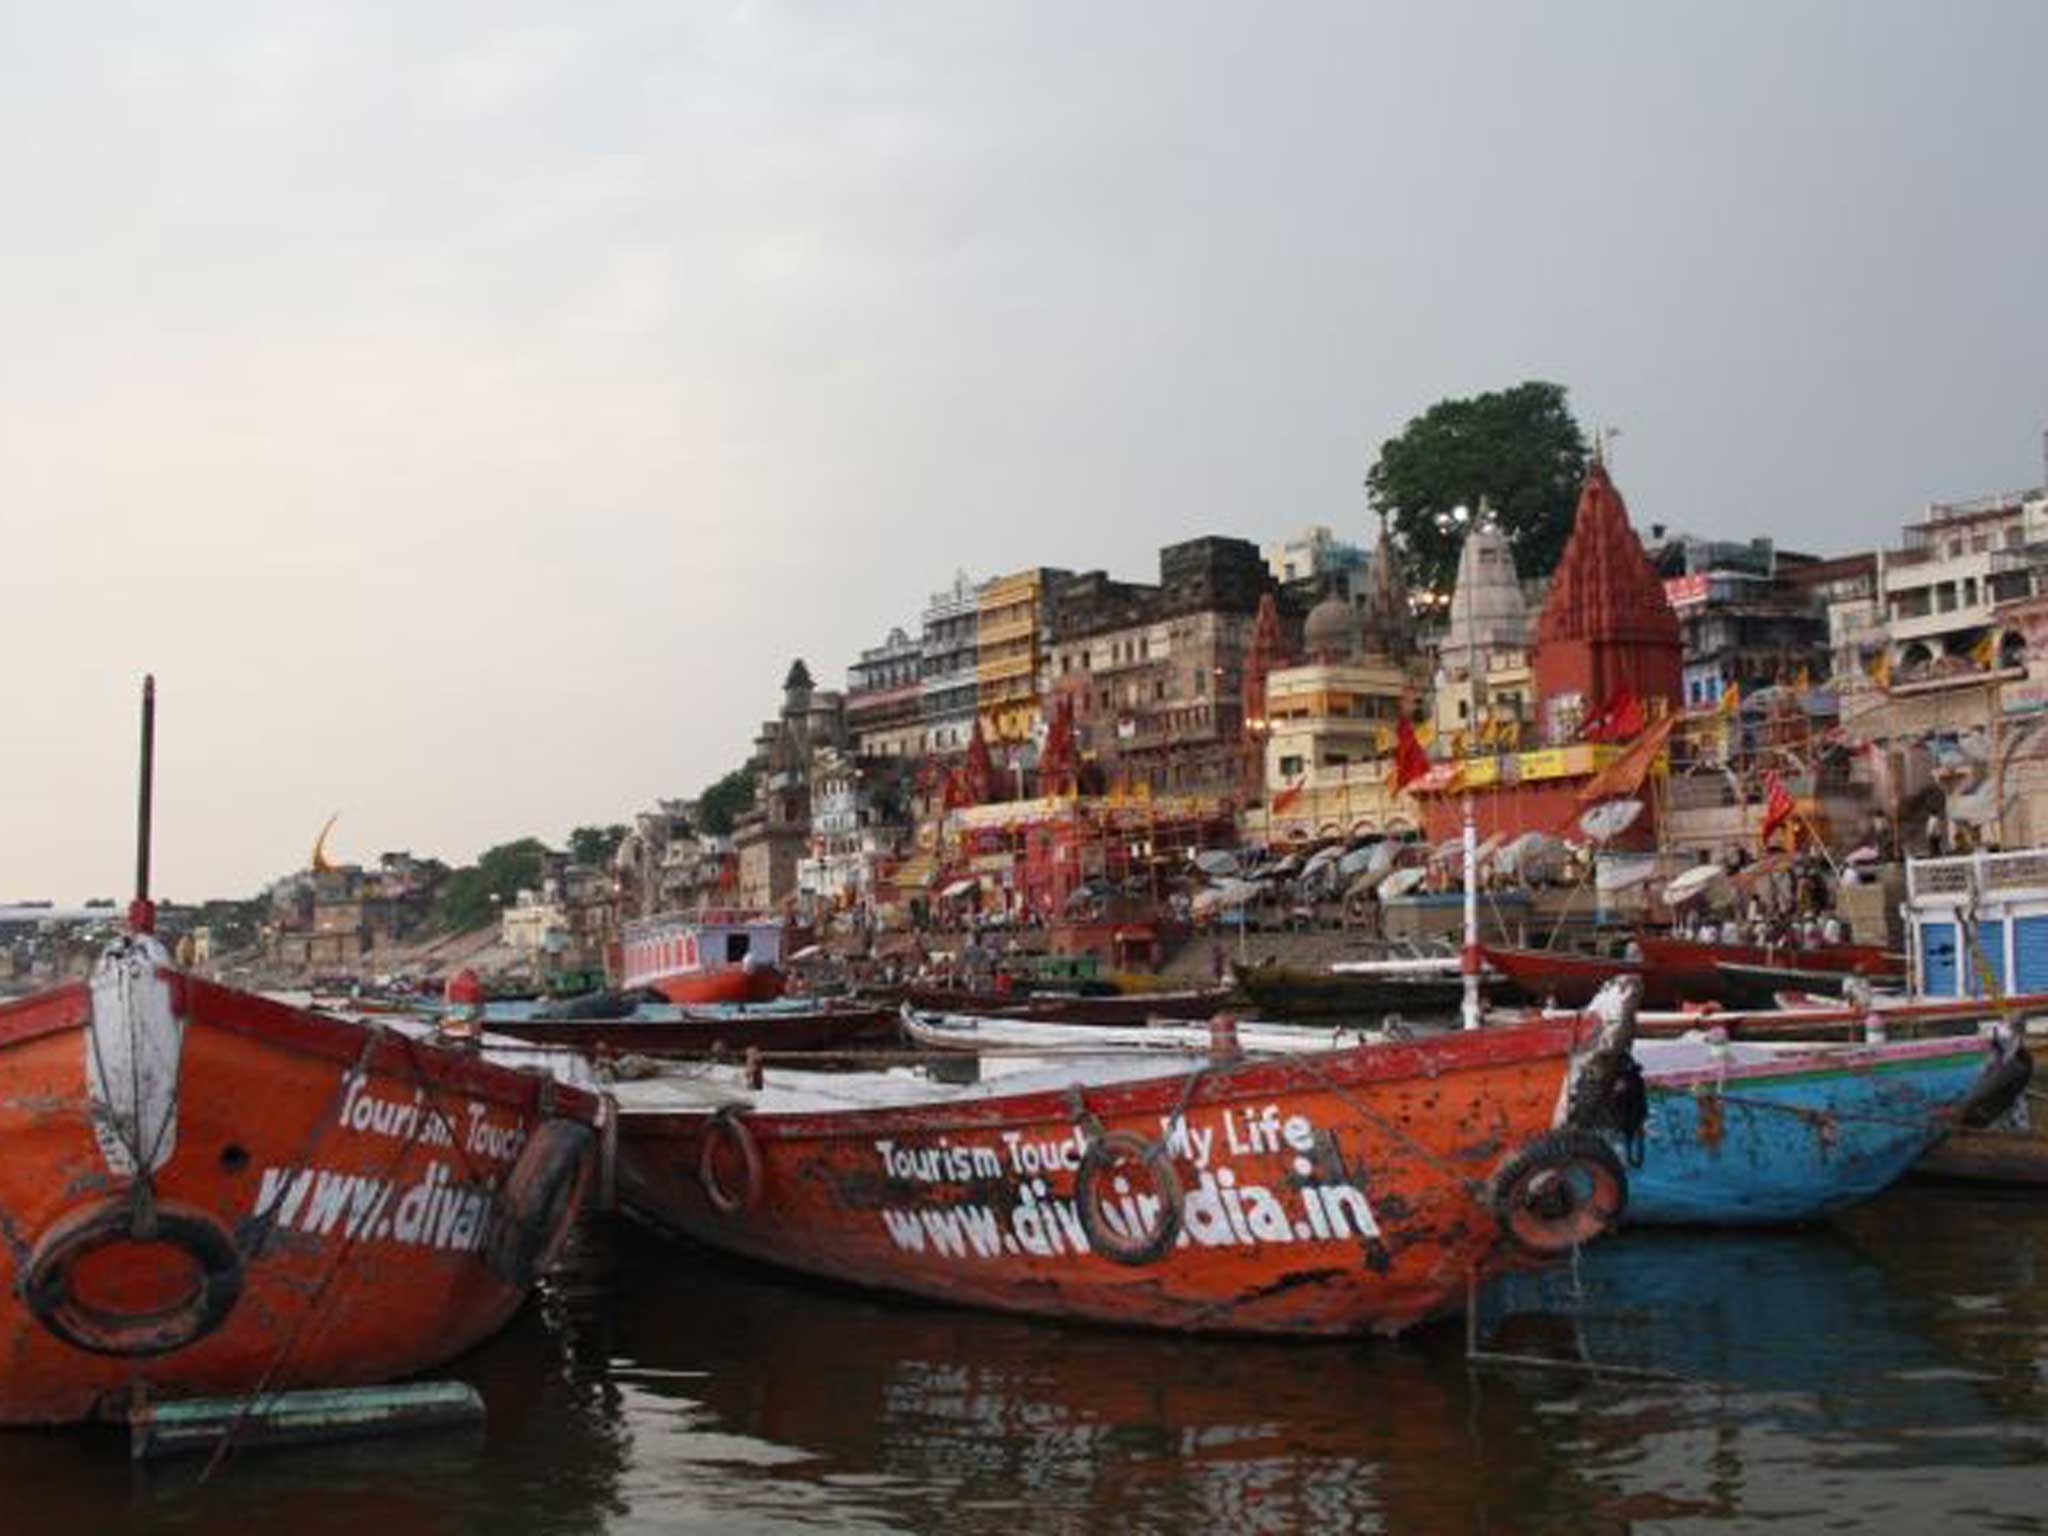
1885	1372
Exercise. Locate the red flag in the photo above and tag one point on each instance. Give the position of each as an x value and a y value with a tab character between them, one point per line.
1618	719
1290	794
1778	806
1410	761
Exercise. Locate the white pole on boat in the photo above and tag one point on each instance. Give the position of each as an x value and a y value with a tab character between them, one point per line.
1461	519
1470	958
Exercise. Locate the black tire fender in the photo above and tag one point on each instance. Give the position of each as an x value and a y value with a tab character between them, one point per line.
1562	1189
532	1203
1106	1155
46	1279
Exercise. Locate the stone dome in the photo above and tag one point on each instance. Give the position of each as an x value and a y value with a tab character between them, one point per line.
1333	631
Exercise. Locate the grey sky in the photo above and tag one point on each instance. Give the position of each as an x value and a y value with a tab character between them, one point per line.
467	410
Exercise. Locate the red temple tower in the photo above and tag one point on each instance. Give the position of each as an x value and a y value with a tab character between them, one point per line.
1607	628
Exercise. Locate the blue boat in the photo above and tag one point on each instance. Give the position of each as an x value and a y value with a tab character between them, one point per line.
1740	1133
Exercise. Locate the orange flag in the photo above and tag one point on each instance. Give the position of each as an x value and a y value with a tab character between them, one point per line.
1625	775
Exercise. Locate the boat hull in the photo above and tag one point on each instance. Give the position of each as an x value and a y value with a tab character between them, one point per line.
1286	993
721	984
1573	980
1690	966
827	1029
1066	1007
1327	1194
1797	1138
327	1197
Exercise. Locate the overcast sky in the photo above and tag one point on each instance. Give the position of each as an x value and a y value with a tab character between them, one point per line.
468	410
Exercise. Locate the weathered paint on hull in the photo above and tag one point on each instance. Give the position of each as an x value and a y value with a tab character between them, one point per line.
722	984
266	1104
1784	1144
1330	1194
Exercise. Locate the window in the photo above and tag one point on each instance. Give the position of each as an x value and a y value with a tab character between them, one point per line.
1290	767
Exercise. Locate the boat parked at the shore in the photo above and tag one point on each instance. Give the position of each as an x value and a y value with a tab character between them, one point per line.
206	1191
1735	1132
1287	992
1336	1193
1697	970
704	957
824	1026
1742	1134
1571	979
1057	1006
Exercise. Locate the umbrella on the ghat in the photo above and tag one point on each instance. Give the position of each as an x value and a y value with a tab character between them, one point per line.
1607	821
1322	859
1359	860
1694	882
1402	881
1216	861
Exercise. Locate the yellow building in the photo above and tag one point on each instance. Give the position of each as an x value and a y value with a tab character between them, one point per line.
1330	731
1008	653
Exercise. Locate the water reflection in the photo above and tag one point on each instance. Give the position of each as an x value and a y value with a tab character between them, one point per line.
1883	1372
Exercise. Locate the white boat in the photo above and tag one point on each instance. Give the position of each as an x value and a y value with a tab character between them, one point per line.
978	1032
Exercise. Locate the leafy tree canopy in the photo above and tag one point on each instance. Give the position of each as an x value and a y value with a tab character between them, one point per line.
726	801
1518	448
596	845
464	901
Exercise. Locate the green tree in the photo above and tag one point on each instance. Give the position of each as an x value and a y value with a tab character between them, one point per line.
464	901
724	802
596	845
1518	448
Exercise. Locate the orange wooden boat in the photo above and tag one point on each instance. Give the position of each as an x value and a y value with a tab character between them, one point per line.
1346	1192
208	1192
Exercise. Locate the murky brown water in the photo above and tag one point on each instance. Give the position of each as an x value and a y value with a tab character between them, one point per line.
1885	1373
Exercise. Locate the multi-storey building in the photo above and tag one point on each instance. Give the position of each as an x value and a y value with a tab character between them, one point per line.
948	683
1330	727
1009	641
884	698
1155	672
1935	595
1743	618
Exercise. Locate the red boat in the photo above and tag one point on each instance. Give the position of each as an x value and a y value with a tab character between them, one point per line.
1338	1193
1570	979
1690	966
704	957
209	1192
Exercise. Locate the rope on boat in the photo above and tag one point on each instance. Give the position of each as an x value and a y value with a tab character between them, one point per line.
351	1235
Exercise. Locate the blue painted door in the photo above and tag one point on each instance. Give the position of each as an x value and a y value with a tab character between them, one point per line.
1938	958
2030	954
1988	954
